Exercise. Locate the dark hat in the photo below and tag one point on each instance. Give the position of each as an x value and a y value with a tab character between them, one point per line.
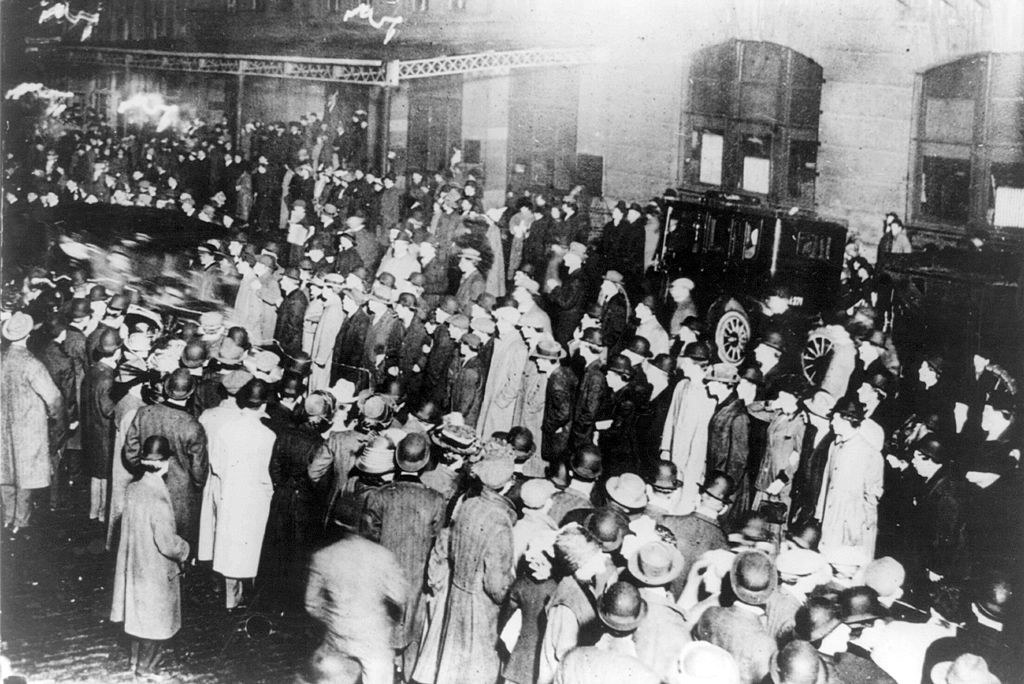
640	346
109	342
472	341
118	303
253	394
774	339
291	385
932	447
609	527
305	264
194	355
621	608
593	336
698	351
620	364
883	382
667	479
522	442
79	308
860	604
1001	400
586	464
179	385
849	408
752	374
301	364
753	577
97	293
291	272
621	206
937	363
156	448
413	453
817	619
718	485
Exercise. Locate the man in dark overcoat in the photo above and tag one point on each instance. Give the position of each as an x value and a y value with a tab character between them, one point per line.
98	419
190	463
728	434
291	313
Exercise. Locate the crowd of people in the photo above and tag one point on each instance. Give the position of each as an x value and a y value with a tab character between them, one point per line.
480	445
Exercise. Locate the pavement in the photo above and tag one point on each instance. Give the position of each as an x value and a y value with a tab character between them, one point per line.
56	581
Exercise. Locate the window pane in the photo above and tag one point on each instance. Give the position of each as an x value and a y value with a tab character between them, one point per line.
949	120
1008	195
711	145
803	169
757	164
945	188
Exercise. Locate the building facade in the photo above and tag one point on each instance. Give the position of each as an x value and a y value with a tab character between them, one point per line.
847	108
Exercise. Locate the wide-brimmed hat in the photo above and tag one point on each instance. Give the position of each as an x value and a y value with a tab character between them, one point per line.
497	465
374	407
725	373
860	604
536	491
656	563
820	404
700	662
548	349
613	276
967	669
796	562
17	327
344	392
211	322
382	293
627	490
458	439
885	575
264	365
235	380
621	608
753	577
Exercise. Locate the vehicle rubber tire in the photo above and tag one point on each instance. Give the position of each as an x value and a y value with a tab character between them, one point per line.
732	329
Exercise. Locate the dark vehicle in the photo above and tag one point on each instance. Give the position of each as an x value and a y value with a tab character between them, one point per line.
952	298
734	250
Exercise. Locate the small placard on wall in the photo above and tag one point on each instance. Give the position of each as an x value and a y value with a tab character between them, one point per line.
711	145
757	173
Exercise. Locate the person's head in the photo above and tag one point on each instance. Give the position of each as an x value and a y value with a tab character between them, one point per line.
720	381
611	285
885	576
469	259
618	372
586	464
929	455
805	534
694	360
997	414
798	662
993	595
847	416
716	492
777	302
608	527
156	455
681	290
579	552
768	350
930	370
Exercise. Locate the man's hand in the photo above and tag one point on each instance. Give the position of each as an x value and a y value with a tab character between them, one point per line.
775	487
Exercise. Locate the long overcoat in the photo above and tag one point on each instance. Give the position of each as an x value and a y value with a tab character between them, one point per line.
559	400
189	459
529	414
465	385
290	318
147	589
324	339
593	388
241	450
480	555
848	502
98	419
405	517
29	400
504	380
685	437
729	448
568	302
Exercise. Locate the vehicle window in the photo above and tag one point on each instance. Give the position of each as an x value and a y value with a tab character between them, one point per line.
751	235
718	235
757	164
813	245
711	146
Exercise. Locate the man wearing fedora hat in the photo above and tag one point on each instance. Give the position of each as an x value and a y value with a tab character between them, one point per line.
615	310
617	421
350	343
509	358
405	516
567	296
383	339
729	433
584	468
189	465
465	380
593	388
559	396
327	332
814	449
472	282
32	410
291	313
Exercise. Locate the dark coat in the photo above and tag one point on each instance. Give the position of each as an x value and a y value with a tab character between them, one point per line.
559	401
995	526
368	248
98	419
347	261
465	388
348	346
729	448
593	388
290	316
620	443
190	463
441	351
809	475
940	528
615	323
567	302
480	554
743	635
470	287
410	352
382	337
62	369
695	534
531	597
405	517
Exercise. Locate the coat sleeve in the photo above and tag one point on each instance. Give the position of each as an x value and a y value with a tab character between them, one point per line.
468	382
586	412
321	463
168	543
558	409
369	526
276	466
945	552
43	385
670	421
739	446
198	457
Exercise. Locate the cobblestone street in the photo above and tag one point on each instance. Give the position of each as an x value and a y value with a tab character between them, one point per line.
56	589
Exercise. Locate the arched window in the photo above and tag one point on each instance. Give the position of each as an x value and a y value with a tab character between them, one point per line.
969	156
752	121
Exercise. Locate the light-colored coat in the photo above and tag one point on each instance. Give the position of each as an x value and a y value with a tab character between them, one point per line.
124	414
256	310
241	448
529	413
685	437
322	347
28	399
212	420
504	380
147	591
850	490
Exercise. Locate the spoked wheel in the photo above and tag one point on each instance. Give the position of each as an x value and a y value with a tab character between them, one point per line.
815	357
731	336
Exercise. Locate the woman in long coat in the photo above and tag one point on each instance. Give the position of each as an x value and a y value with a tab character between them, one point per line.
504	381
242	449
147	591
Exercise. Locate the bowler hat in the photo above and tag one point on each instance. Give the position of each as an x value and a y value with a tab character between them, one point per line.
931	446
621	608
718	485
849	408
253	394
300	364
472	341
613	276
17	327
375	408
179	385
698	351
413	453
817	619
753	577
609	527
291	273
627	490
291	385
235	380
229	353
860	604
593	337
79	309
194	355
640	346
656	563
667	479
496	469
774	339
586	464
117	304
883	382
156	448
109	342
620	364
